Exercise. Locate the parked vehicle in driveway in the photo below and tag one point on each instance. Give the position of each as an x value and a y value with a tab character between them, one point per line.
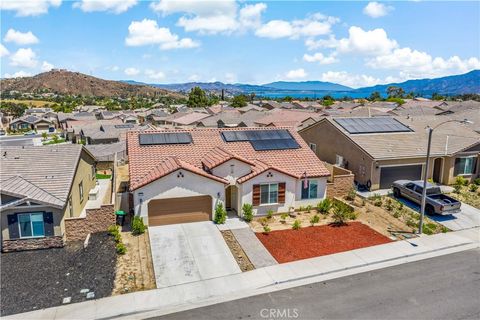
436	201
29	133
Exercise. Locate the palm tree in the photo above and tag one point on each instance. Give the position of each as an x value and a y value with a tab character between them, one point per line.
44	136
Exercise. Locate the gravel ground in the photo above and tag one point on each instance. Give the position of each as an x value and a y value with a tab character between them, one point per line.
237	251
38	279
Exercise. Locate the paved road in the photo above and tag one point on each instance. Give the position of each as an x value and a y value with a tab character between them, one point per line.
446	287
18	140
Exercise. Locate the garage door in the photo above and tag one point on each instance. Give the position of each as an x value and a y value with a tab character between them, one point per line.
179	210
389	174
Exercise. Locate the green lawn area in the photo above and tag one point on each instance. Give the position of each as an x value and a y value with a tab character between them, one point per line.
53	141
103	176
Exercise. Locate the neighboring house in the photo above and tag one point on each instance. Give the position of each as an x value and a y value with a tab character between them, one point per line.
231	119
40	187
250	107
188	119
380	150
104	133
157	116
308	105
290	118
181	175
32	123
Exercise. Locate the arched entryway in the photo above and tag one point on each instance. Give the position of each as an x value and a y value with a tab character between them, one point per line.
231	198
437	170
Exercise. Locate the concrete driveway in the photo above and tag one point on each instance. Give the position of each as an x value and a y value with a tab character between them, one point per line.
189	252
468	217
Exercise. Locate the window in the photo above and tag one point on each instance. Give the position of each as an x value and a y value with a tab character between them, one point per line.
313	146
269	193
31	225
94	175
338	160
80	190
465	165
70	206
232	169
309	189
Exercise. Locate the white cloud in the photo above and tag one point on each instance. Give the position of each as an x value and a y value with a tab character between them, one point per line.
371	42
230	77
112	68
147	32
114	6
19	74
46	66
3	51
320	58
24	57
313	25
296	74
29	7
250	16
131	71
419	64
194	77
21	38
350	80
377	10
156	75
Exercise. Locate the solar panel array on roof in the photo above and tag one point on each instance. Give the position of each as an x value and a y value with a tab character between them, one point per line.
372	125
124	126
262	140
165	138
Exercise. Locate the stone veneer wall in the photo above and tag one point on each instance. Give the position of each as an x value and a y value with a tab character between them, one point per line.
32	244
95	220
340	186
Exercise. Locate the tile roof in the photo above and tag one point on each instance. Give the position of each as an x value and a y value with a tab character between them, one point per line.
283	117
18	187
53	170
191	118
143	159
218	155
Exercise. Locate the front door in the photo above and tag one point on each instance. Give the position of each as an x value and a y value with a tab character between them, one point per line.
228	198
437	170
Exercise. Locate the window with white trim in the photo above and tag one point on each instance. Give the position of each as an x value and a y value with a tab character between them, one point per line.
313	146
70	206
309	189
269	193
31	225
338	160
465	165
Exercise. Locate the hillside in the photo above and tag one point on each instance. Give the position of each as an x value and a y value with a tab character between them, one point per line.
451	85
75	83
307	85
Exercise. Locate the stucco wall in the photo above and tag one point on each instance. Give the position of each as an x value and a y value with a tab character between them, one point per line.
224	170
84	174
172	186
331	142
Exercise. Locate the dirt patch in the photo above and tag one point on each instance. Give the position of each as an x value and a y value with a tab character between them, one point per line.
292	245
275	222
122	177
135	268
33	280
471	197
237	251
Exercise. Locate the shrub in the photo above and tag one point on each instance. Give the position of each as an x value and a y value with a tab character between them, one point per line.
220	214
296	225
411	223
263	221
378	202
461	181
477	181
324	206
444	229
266	229
426	229
473	187
342	212
396	214
301	208
283	217
121	249
138	227
457	188
400	206
117	237
113	230
269	214
352	193
309	208
314	219
247	211
389	205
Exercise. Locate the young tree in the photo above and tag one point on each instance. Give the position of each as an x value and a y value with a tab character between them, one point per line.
395	92
197	98
44	135
375	96
239	101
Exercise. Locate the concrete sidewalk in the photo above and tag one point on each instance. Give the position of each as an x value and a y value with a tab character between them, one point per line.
140	305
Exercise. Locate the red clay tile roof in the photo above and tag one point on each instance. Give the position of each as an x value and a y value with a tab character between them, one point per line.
261	167
218	155
146	161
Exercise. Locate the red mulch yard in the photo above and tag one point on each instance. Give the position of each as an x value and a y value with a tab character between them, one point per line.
309	242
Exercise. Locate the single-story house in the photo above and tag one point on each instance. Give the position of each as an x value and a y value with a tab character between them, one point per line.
36	199
290	118
180	176
32	123
380	150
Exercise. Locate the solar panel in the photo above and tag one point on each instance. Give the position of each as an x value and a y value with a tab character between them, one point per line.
372	125
263	139
123	126
165	138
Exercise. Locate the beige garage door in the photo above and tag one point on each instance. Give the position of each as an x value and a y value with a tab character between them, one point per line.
179	210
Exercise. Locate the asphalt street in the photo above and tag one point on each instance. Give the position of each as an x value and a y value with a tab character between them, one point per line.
446	287
18	140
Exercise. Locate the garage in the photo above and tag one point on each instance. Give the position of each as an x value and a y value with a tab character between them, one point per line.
389	174
179	210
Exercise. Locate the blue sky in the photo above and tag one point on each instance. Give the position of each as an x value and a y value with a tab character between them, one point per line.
353	43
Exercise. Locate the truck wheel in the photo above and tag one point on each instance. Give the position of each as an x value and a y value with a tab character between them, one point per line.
429	210
396	193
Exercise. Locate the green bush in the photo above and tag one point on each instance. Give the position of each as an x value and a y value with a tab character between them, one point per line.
266	229
342	212
426	229
473	188
247	211
352	193
477	181
296	225
117	237
121	249
377	202
138	227
314	219
113	229
457	188
309	208
444	229
283	216
400	206
269	214
220	214
389	205
263	221
411	223
324	206
461	181
301	208
396	214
